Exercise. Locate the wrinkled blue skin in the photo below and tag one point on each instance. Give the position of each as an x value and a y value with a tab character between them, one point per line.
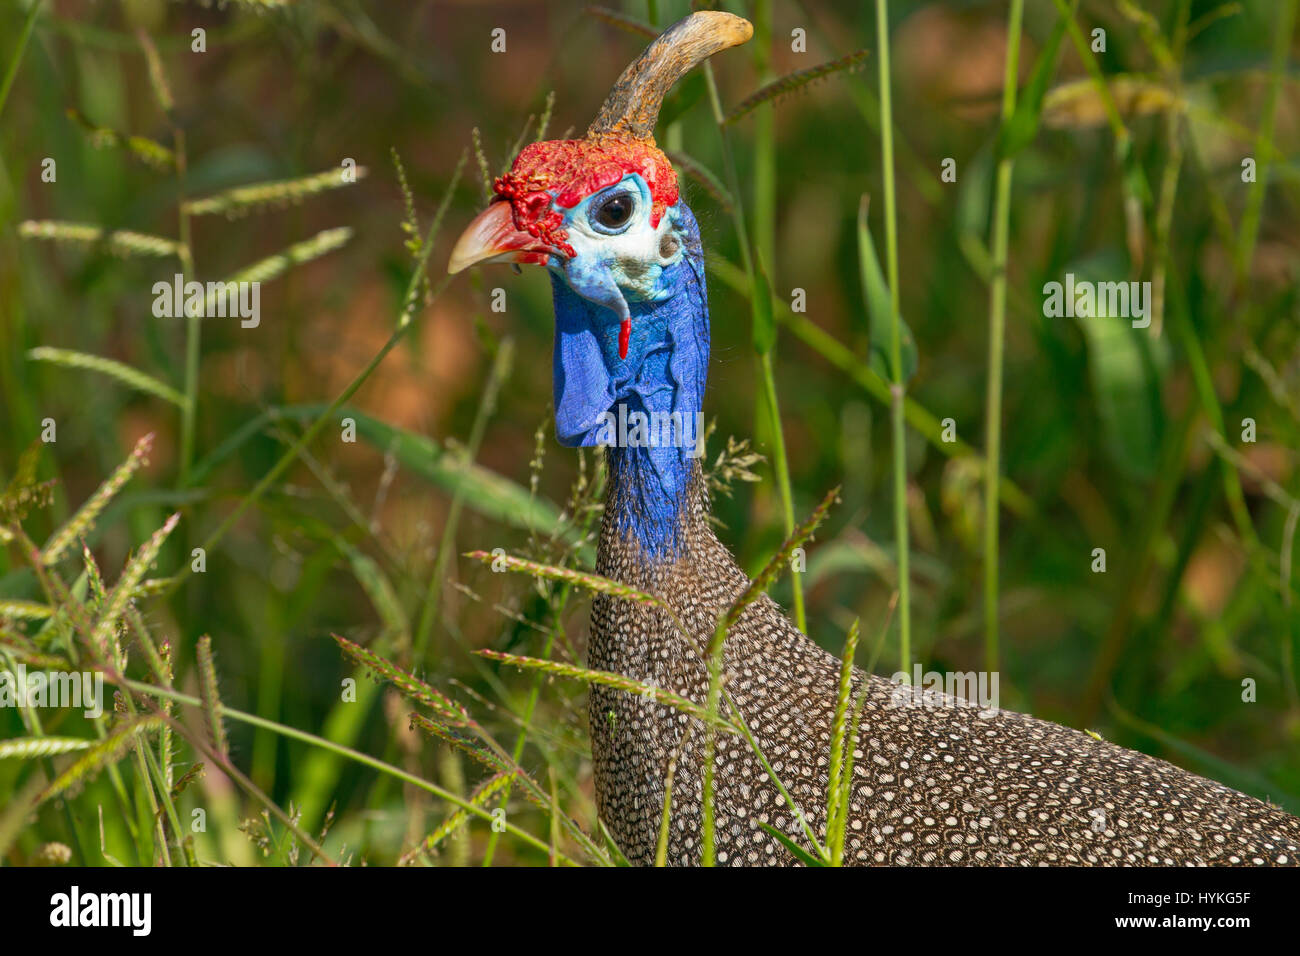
665	368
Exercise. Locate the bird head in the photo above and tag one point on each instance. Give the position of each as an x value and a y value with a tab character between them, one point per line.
603	215
600	213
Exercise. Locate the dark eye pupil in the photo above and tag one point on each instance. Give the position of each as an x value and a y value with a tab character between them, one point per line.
615	211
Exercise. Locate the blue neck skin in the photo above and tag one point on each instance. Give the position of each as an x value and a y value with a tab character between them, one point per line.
664	372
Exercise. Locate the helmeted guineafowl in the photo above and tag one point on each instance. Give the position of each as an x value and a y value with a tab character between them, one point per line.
936	780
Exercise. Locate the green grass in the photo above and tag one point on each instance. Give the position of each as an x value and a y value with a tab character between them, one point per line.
348	680
997	335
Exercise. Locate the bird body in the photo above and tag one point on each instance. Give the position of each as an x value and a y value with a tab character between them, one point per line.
936	780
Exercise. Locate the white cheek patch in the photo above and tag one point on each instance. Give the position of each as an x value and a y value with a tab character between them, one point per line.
635	259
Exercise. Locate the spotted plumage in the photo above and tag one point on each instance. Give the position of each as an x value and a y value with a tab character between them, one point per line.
935	780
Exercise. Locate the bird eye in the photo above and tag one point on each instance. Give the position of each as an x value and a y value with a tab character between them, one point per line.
614	213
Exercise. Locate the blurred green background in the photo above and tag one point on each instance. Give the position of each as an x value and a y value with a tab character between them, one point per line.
1129	440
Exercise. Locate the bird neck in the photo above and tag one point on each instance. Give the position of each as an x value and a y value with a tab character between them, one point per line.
648	410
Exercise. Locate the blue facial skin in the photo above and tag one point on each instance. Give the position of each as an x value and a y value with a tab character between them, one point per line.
665	368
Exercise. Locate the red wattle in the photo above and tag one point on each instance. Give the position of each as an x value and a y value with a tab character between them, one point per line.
624	334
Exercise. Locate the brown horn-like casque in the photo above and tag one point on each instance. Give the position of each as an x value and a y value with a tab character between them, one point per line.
632	107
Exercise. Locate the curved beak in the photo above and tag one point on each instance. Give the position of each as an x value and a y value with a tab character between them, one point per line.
492	237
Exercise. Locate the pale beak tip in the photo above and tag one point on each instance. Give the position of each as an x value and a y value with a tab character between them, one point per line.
491	237
473	246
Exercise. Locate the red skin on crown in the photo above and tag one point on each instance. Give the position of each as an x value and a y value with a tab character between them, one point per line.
567	171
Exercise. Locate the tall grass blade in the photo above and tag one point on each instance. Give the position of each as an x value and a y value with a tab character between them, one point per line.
210	694
25	748
1019	129
666	815
714	653
834	795
24	610
582	579
124	591
868	379
797	80
622	21
772	568
121	242
148	151
876	296
706	178
115	745
272	267
16	58
410	686
997	322
897	391
1078	104
162	91
131	377
458	818
381	592
278	194
609	679
81	523
798	852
